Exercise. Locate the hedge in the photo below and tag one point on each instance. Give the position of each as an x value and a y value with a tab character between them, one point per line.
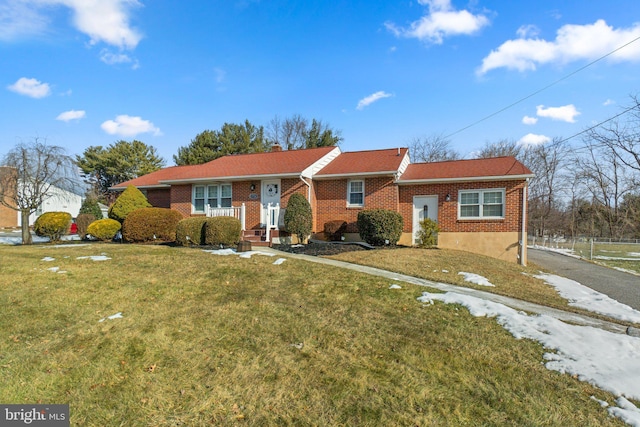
333	230
151	224
83	221
191	231
380	226
222	230
130	200
52	225
298	217
104	229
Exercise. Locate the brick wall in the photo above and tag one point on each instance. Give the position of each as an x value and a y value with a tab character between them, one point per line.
180	196
159	197
448	211
331	199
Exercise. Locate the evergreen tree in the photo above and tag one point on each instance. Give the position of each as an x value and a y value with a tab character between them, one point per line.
90	206
298	217
130	200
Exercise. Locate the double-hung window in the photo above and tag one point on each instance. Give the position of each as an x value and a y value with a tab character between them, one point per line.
214	195
355	193
481	204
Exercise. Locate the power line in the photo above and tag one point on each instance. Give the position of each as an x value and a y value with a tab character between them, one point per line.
543	89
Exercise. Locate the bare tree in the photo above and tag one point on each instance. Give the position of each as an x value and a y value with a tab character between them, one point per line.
296	132
622	138
29	174
434	148
606	179
548	163
502	148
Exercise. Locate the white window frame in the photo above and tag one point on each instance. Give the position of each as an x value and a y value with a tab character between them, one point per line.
213	200
349	193
481	203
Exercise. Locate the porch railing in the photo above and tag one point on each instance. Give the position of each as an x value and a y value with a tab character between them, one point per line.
238	212
274	216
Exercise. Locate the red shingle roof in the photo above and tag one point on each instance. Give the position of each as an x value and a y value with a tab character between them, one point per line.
241	165
365	162
498	167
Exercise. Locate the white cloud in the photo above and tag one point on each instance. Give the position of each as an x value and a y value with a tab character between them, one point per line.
529	120
533	139
30	87
572	43
125	125
220	74
368	100
608	102
441	21
104	21
528	31
19	19
67	116
566	113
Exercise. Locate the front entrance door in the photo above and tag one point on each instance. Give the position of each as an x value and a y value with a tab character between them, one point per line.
271	191
423	207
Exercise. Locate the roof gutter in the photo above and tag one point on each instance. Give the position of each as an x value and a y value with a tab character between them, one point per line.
355	174
463	179
229	178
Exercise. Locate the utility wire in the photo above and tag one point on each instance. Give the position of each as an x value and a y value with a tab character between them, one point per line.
543	89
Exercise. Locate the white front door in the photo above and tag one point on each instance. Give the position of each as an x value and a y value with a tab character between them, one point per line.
271	191
423	207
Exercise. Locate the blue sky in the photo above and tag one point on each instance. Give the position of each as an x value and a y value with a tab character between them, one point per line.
78	73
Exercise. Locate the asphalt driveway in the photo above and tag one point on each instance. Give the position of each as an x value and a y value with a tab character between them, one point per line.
621	286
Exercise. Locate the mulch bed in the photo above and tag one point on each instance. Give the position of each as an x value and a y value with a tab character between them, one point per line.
319	249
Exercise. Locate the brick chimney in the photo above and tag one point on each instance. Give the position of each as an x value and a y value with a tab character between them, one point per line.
276	147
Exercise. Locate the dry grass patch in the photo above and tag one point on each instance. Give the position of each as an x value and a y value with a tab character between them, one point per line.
211	340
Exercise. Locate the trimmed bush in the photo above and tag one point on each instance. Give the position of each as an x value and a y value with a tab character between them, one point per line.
82	221
130	200
191	231
427	236
298	218
52	225
104	229
151	224
333	230
380	226
222	230
90	206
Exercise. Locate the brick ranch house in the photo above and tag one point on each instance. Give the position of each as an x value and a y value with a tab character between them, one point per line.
480	205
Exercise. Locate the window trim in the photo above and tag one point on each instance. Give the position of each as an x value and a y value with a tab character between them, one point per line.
213	201
349	193
481	204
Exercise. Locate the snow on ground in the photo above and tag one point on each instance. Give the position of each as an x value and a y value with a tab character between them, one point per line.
94	257
279	261
4	240
395	286
567	252
247	254
476	278
118	315
604	359
581	296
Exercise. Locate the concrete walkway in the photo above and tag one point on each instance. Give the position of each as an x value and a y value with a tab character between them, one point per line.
619	285
517	304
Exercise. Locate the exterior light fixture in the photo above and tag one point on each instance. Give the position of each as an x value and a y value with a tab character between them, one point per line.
447	197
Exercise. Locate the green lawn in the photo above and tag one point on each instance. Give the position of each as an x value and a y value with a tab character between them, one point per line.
212	340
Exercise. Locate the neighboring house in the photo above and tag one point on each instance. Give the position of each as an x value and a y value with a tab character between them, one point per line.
58	200
480	205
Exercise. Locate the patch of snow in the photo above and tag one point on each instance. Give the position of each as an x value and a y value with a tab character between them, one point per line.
48	259
297	246
95	257
634	254
54	269
118	315
249	254
279	261
601	402
394	286
476	278
567	252
220	251
626	411
581	296
604	359
612	258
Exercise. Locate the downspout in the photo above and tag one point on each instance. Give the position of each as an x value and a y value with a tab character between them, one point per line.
523	240
309	200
